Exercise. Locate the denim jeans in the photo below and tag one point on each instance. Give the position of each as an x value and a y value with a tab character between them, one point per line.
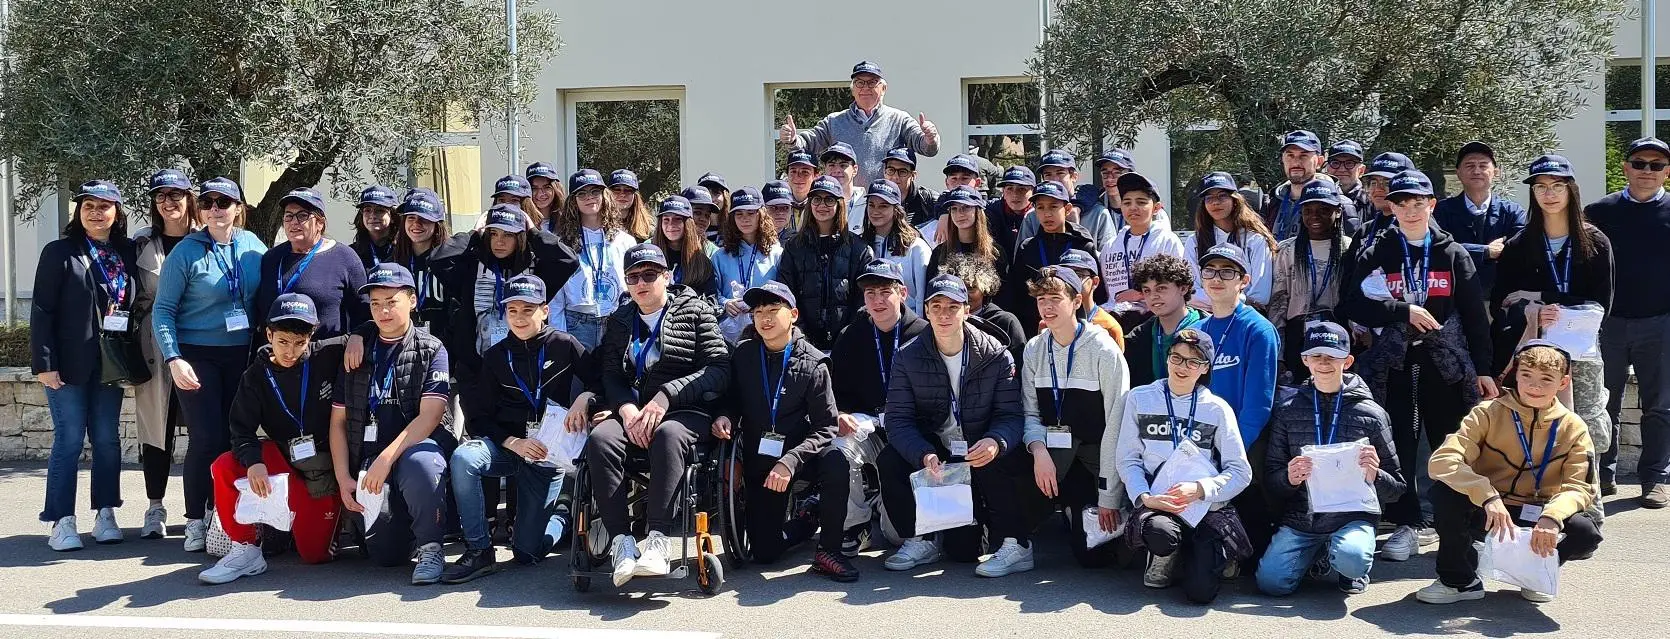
1350	550
537	489
586	328
81	413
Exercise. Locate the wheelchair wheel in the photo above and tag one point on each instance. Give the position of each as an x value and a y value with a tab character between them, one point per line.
731	502
712	576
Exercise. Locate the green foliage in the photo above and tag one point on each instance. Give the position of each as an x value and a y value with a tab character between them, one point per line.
808	106
641	135
119	88
1421	76
14	345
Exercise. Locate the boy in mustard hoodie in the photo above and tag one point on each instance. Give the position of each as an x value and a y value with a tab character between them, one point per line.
1521	459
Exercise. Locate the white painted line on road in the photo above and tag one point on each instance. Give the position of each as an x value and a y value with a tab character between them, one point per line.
338	627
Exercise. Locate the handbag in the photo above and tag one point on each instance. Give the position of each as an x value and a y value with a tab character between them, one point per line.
121	361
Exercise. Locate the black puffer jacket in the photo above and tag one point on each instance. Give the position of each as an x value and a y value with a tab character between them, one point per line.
919	394
1294	426
822	273
805	408
694	366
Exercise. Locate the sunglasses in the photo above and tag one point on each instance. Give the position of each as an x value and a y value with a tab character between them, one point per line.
1647	165
1226	274
216	203
643	277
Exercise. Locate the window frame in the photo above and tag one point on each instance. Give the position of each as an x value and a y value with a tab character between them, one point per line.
572	98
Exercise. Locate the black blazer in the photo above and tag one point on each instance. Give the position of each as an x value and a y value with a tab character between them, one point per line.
66	314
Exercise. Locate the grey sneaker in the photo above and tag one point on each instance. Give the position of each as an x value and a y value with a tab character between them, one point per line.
197	534
244	560
430	563
1403	544
105	530
1158	574
1010	558
1427	536
64	537
625	557
916	551
156	523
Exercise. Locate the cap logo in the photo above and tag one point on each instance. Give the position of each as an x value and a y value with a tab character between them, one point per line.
295	307
382	274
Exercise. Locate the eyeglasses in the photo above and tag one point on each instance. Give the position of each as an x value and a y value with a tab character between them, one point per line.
823	200
298	216
1216	197
1552	187
1226	274
589	193
1191	362
1344	164
643	277
1646	165
171	194
866	84
208	203
899	171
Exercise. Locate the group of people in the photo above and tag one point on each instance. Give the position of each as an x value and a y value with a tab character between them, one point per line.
1064	343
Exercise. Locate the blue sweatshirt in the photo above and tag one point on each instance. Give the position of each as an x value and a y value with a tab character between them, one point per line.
1244	373
194	292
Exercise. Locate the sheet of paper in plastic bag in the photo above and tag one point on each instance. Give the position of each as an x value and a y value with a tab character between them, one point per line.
1186	463
1093	534
943	501
1512	562
272	510
561	446
1577	330
371	502
1336	483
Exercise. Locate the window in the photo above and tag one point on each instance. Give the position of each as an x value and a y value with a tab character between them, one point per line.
1003	122
1196	151
454	173
452	117
636	129
809	104
1623	112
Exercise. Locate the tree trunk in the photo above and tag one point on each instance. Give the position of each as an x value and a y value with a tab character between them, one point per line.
306	171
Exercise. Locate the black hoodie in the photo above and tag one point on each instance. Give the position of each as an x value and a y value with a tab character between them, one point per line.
500	408
806	406
256	410
862	356
1452	287
1038	251
458	262
1293	426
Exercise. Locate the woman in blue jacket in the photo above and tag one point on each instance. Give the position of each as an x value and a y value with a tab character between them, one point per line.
202	323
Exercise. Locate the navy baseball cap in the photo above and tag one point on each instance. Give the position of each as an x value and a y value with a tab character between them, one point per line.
712	179
99	189
584	178
623	177
1305	140
961	195
677	205
1648	143
1226	251
424	203
770	292
866	66
961	162
379	195
828	185
1410	182
645	253
1217	180
388	275
947	286
885	190
697	195
803	158
513	185
169	179
879	269
506	217
294	306
1320	190
544	170
1050	189
1057	157
1388	165
304	196
1117	158
747	198
1475	147
1346	147
1079	260
1018	176
1134	181
1064	273
1553	165
840	149
775	192
1199	340
225	186
524	288
1327	338
903	154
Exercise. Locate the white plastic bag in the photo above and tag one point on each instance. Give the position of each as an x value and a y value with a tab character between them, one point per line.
1186	463
945	501
272	510
1512	562
371	502
1336	483
1093	534
1577	330
561	446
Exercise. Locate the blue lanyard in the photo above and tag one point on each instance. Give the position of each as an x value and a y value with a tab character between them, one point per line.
1125	252
1374	227
232	269
376	256
422	278
1055	382
748	266
640	350
117	288
597	263
782	375
1284	217
1525	444
301	267
1229	323
956	393
1171	416
1333	422
301	404
1562	278
881	362
1410	283
379	393
1316	290
538	391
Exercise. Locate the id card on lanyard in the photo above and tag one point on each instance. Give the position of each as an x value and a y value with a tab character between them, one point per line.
232	271
771	443
302	446
640	349
598	262
1531	513
1125	252
116	289
1059	436
379	392
535	394
1415	282
959	445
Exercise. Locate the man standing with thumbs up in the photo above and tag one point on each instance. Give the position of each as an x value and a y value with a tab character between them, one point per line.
869	127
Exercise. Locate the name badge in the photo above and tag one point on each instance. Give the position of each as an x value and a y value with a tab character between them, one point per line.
116	322
371	430
1058	437
1530	513
237	320
533	431
959	448
771	445
496	333
302	448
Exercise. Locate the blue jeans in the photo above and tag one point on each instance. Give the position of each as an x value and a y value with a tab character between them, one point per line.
537	488
1291	553
80	413
586	328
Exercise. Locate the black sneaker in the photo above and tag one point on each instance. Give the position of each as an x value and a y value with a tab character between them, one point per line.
835	566
275	542
855	540
1608	488
1353	586
501	531
472	564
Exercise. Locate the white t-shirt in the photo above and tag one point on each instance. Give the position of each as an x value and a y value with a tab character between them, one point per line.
655	344
1121	255
954	366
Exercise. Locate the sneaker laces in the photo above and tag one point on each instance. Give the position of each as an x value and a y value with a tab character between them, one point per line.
659	543
430	559
916	548
624	548
1008	551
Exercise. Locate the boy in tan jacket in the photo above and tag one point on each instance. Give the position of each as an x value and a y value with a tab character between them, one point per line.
1521	459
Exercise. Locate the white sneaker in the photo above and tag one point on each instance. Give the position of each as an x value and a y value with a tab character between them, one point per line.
1158	574
105	530
64	537
1427	536
916	551
625	557
1403	544
156	523
197	534
653	556
1534	596
1011	557
1438	593
244	560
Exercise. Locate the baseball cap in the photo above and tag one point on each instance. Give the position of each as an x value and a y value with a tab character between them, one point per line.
767	293
506	217
542	169
1303	139
841	149
424	203
1018	176
1410	182
828	185
879	269
1475	147
1226	251
713	180
697	195
1199	340
1134	181
645	253
1327	338
168	179
775	192
1217	180
961	162
584	178
800	157
1346	147
1079	260
513	185
294	306
1065	274
1057	157
962	194
1388	165
524	288
387	275
224	186
1118	158
866	66
623	177
304	196
885	190
1320	190
746	199
1554	165
1050	189
947	286
676	205
903	154
378	195
1648	143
